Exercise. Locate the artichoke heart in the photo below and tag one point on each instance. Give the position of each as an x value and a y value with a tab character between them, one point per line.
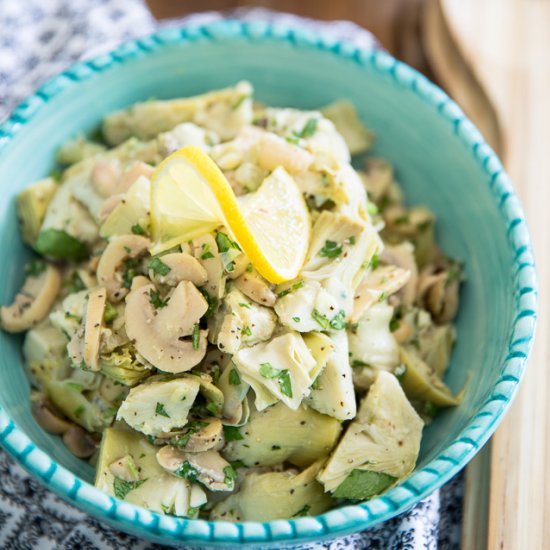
384	438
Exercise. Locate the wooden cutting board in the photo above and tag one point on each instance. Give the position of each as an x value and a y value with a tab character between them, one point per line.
503	49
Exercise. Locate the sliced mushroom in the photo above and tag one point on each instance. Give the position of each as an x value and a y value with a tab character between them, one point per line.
79	442
183	267
206	251
43	413
377	285
132	173
105	176
125	468
439	294
204	435
33	302
402	255
139	281
209	468
115	254
255	287
92	327
161	335
274	151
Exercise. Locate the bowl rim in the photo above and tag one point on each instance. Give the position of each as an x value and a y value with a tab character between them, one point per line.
171	529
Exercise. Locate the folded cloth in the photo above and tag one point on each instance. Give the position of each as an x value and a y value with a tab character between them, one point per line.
38	40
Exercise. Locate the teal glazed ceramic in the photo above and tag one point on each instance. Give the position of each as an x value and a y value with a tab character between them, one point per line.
442	162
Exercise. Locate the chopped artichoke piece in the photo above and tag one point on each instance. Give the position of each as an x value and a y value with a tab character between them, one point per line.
333	393
363	484
371	342
32	203
67	396
121	365
152	487
345	118
240	322
78	149
421	382
45	353
384	438
283	366
222	111
279	434
159	405
275	495
68	315
131	215
436	345
183	135
234	390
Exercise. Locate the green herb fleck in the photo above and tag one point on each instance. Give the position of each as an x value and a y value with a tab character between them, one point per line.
302	511
138	230
205	252
320	319
35	267
75	283
358	363
229	476
159	409
351	240
234	377
338	322
285	383
246	331
372	209
382	296
109	313
225	243
159	267
249	268
316	383
77	387
122	488
232	433
331	250
309	129
275	447
131	270
296	319
156	301
295	286
216	373
55	174
239	101
212	302
401	220
374	262
196	336
394	324
186	471
213	408
267	370
430	409
245	305
236	464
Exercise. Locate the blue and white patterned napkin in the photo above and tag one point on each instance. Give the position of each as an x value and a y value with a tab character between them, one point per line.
39	38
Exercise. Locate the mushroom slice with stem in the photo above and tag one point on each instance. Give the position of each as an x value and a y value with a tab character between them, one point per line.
118	251
208	468
33	302
255	287
159	328
171	269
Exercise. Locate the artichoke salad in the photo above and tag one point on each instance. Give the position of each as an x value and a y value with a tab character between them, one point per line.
197	386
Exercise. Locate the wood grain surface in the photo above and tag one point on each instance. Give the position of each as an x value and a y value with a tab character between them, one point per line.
507	44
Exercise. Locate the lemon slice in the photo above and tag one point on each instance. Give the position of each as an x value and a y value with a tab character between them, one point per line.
190	196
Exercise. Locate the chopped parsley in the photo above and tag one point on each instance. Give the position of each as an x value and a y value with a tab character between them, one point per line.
302	511
394	324
229	476
138	230
109	313
77	387
296	319
316	383
212	302
430	409
351	240
293	287
372	209
331	250
401	220
75	283
159	409
320	319
246	331
122	488
374	262
216	372
225	243
196	336
79	411
245	305
156	301
186	471
282	376
236	464
358	363
309	129
338	322
232	433
234	377
35	267
239	101
249	268
159	267
205	252
213	408
192	428
131	270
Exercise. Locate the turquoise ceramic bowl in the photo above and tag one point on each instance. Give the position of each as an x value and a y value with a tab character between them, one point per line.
440	158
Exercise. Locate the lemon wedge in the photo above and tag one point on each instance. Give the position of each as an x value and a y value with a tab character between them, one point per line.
190	196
